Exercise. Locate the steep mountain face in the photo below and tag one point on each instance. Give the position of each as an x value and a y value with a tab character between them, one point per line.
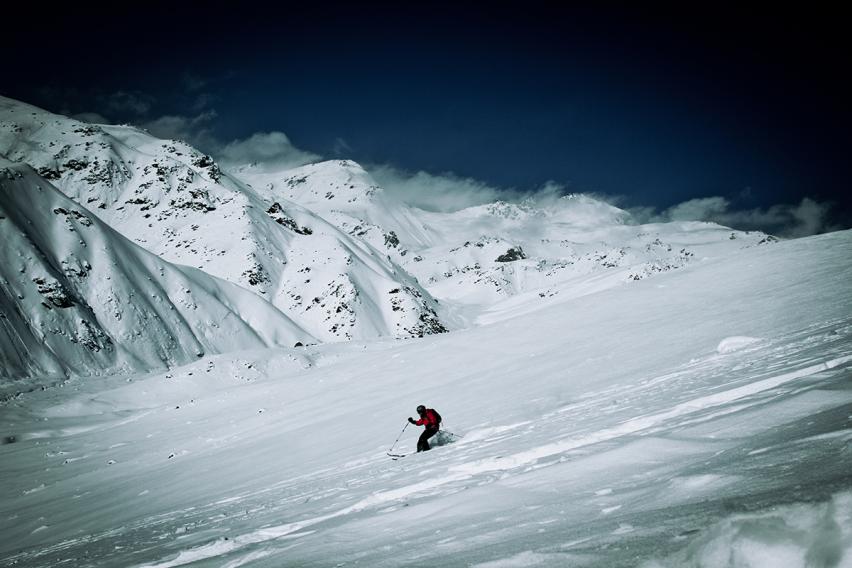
344	194
327	245
491	259
78	297
178	204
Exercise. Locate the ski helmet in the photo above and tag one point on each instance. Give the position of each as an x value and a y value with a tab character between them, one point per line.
421	409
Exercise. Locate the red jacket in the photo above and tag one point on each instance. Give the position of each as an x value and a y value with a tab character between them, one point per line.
430	419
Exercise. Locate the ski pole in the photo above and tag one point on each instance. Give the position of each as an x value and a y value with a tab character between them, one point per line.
398	437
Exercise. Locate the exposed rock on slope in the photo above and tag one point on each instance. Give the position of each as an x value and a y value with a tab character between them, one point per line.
177	203
327	245
479	257
78	297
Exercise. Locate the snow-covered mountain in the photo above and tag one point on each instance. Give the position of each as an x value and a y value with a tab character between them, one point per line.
484	262
77	297
326	245
698	418
501	258
618	394
343	193
178	204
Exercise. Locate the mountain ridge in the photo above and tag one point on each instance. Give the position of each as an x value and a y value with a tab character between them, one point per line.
78	297
178	203
325	244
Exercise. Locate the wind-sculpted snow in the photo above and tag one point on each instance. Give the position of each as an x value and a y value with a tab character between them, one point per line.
607	431
77	297
731	344
808	534
176	202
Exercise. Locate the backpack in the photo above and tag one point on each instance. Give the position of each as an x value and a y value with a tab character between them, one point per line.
437	417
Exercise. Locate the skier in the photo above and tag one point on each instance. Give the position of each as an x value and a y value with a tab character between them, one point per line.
431	420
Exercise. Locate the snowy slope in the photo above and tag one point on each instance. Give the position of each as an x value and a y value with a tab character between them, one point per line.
343	193
491	261
503	259
77	297
324	242
697	418
178	204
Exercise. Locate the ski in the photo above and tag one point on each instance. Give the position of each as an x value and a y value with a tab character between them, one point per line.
396	456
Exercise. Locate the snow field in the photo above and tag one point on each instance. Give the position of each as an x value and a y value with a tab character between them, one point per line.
608	430
658	395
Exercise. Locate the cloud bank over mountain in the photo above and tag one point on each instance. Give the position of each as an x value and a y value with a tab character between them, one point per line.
273	150
808	217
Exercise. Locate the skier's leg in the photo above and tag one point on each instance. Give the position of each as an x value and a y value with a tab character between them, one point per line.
423	442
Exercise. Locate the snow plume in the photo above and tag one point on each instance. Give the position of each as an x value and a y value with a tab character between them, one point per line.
808	217
449	192
271	150
195	123
194	130
90	117
446	192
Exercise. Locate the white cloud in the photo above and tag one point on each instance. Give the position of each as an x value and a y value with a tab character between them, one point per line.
90	117
808	217
272	150
446	192
811	218
450	192
701	209
269	150
194	130
439	192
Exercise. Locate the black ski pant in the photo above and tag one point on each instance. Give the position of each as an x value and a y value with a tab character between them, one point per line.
423	442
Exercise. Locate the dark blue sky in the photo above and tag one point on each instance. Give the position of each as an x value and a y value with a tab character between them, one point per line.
657	105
